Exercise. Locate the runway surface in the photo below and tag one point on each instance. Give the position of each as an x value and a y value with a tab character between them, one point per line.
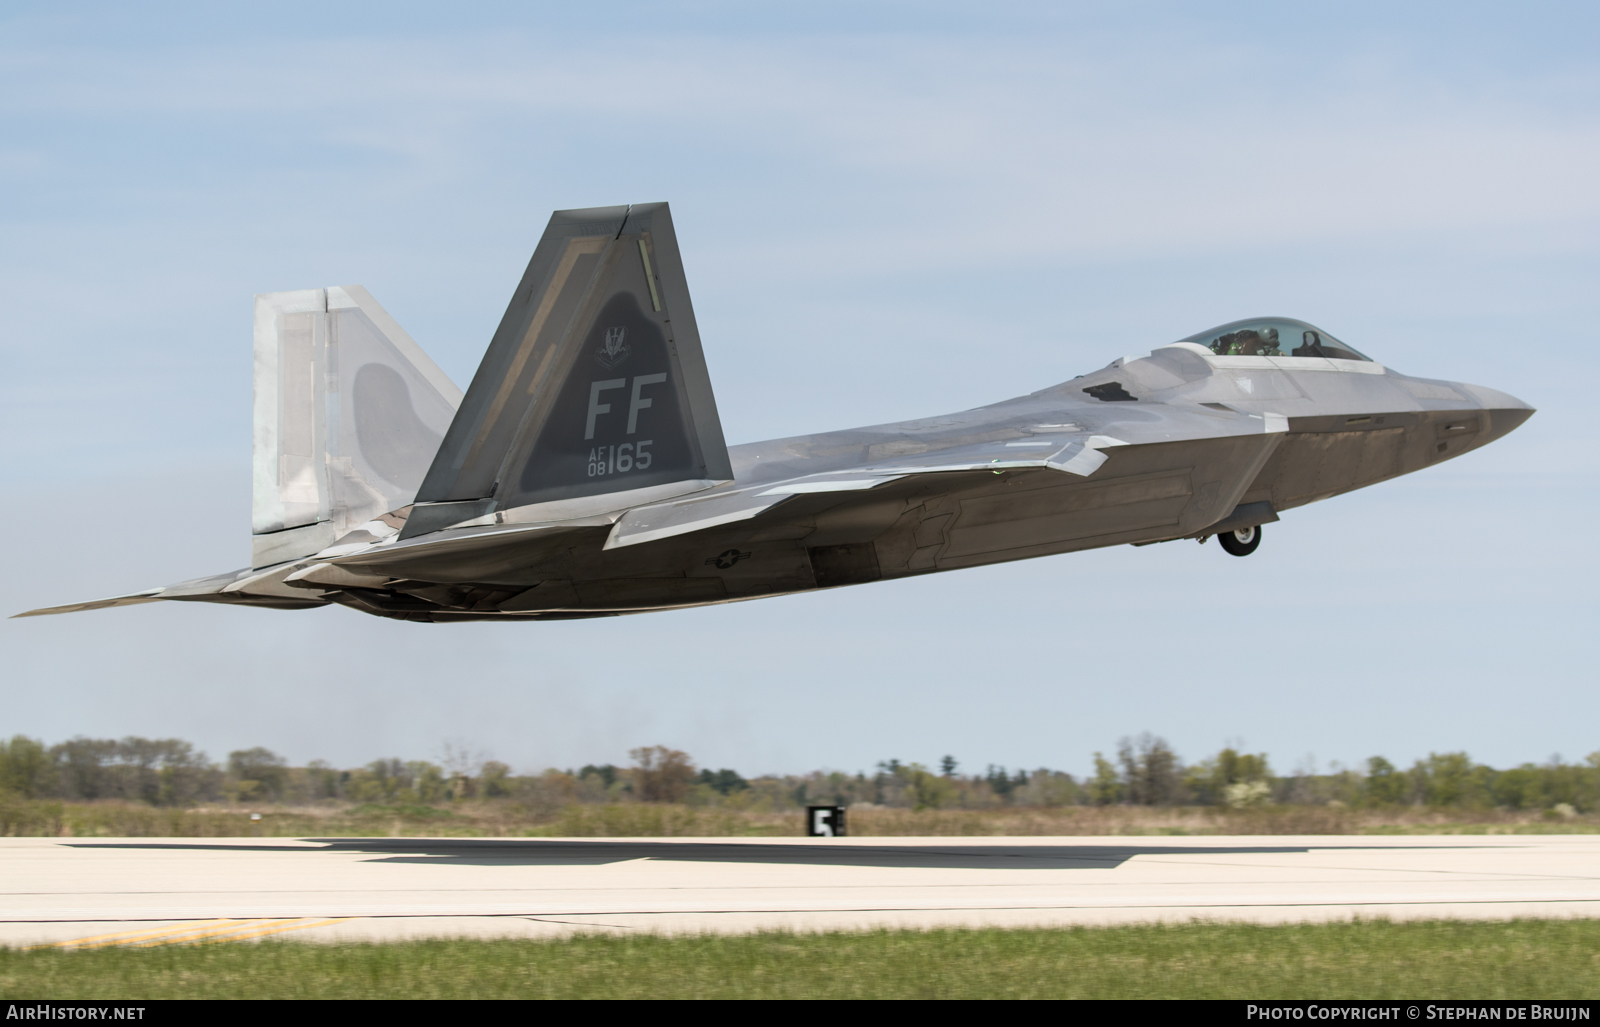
147	891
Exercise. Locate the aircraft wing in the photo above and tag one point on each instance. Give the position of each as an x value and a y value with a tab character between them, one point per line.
1075	456
149	595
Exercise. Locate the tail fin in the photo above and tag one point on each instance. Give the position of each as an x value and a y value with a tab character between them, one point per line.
593	385
348	414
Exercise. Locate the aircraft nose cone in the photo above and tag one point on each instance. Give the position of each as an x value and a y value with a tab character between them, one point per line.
1506	412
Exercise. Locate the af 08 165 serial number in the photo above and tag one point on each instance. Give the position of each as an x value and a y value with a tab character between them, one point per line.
630	456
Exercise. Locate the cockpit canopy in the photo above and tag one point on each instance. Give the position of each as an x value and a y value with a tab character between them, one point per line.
1273	337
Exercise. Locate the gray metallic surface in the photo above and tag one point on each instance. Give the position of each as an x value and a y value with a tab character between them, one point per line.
468	463
600	332
348	413
520	515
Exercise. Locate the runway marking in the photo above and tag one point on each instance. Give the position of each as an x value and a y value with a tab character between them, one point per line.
1484	875
193	931
1243	901
95	941
227	930
1480	874
548	917
279	929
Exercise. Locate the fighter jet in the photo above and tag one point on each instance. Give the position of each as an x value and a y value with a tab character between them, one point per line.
584	473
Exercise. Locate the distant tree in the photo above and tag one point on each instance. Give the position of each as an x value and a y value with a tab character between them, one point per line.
1214	780
663	774
459	761
1451	779
836	787
1239	767
494	779
1586	784
381	781
928	791
1521	787
605	772
258	773
947	766
1045	787
323	780
428	784
173	773
887	783
137	763
84	766
25	768
1384	784
1152	775
160	771
1105	788
723	782
548	791
1002	784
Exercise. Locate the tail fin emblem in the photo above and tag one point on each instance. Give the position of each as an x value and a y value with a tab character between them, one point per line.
613	351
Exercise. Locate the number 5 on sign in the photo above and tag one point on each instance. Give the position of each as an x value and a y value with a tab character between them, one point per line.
824	821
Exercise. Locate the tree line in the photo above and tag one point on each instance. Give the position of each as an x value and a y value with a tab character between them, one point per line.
1142	771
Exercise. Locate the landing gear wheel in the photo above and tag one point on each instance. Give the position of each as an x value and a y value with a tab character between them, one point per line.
1242	542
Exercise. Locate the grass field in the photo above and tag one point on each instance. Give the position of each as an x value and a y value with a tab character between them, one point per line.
505	818
1546	959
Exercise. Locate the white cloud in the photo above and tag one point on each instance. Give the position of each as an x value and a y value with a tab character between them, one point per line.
959	153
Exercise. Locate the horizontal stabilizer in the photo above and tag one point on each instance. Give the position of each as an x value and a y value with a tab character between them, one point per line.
449	545
848	482
1080	456
594	383
663	520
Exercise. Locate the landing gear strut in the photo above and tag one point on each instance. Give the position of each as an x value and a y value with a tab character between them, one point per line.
1241	542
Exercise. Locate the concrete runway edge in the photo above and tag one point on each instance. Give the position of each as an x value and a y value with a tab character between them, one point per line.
92	892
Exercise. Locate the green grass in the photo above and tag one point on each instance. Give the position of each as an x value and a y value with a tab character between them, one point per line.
1548	959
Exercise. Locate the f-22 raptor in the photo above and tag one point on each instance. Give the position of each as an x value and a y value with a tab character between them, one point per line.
584	473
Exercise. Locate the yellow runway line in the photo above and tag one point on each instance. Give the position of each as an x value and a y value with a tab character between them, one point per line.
194	931
125	937
202	934
218	933
279	929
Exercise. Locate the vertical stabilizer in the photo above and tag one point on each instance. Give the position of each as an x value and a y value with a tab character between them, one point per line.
348	413
594	392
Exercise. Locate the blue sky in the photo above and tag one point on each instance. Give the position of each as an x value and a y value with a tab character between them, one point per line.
886	210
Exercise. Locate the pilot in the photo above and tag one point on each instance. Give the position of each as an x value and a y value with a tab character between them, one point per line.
1269	343
1246	342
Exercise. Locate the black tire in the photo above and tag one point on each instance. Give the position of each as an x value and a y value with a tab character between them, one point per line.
1242	542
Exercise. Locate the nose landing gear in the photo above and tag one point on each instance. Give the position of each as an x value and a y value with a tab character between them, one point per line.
1241	542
